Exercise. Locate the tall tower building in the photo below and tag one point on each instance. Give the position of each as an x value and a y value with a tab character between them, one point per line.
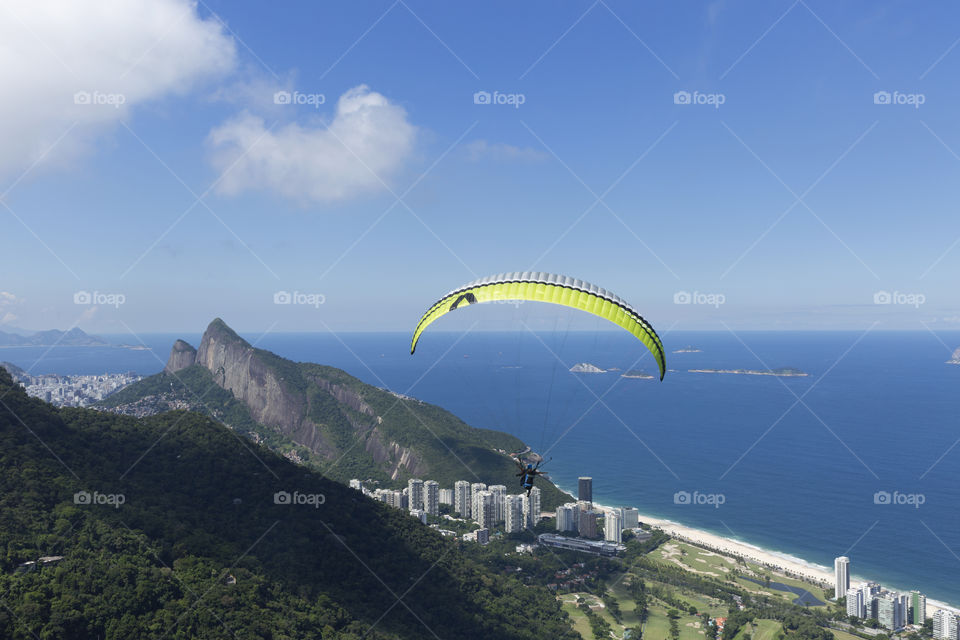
462	498
855	606
944	625
585	489
484	509
531	508
415	494
886	610
446	496
567	517
514	517
841	570
918	607
431	497
587	525
631	517
613	527
499	493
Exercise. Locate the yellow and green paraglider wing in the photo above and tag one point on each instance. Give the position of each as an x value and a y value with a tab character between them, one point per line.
552	288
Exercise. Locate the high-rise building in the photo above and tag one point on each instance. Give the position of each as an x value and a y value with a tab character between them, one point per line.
415	494
870	592
855	605
514	518
484	510
531	508
891	610
902	611
587	524
477	486
483	535
841	570
567	515
885	610
431	497
631	517
944	625
446	496
395	498
499	493
918	607
613	527
356	484
585	489
462	498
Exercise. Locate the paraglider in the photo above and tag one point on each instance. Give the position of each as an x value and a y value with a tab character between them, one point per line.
528	473
536	286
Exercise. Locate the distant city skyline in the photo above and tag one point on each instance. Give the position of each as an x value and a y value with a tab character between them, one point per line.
774	165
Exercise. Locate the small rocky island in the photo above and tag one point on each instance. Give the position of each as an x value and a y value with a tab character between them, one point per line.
955	358
783	372
586	367
636	373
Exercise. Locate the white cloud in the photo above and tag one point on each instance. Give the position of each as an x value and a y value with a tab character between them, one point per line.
366	142
65	63
7	300
481	149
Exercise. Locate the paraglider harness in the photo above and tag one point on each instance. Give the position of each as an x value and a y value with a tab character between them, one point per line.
528	473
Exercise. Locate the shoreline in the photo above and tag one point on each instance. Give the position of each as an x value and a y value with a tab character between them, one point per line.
778	561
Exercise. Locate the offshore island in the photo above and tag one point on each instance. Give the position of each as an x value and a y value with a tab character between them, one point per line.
783	372
586	367
637	373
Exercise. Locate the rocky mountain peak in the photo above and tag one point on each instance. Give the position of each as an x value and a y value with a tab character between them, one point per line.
182	355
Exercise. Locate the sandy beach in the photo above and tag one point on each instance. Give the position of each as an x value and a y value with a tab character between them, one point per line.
778	562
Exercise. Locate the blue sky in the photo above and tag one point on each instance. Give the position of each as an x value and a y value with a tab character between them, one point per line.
189	193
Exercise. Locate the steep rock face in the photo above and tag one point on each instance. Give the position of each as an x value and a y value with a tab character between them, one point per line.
344	396
182	355
257	379
394	457
236	367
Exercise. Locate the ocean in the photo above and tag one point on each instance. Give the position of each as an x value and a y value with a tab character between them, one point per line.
859	458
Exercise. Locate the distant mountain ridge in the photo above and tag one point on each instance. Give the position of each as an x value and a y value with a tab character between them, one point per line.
73	338
324	417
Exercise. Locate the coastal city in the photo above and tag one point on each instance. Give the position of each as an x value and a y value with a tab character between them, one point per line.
490	510
70	391
479	512
890	609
